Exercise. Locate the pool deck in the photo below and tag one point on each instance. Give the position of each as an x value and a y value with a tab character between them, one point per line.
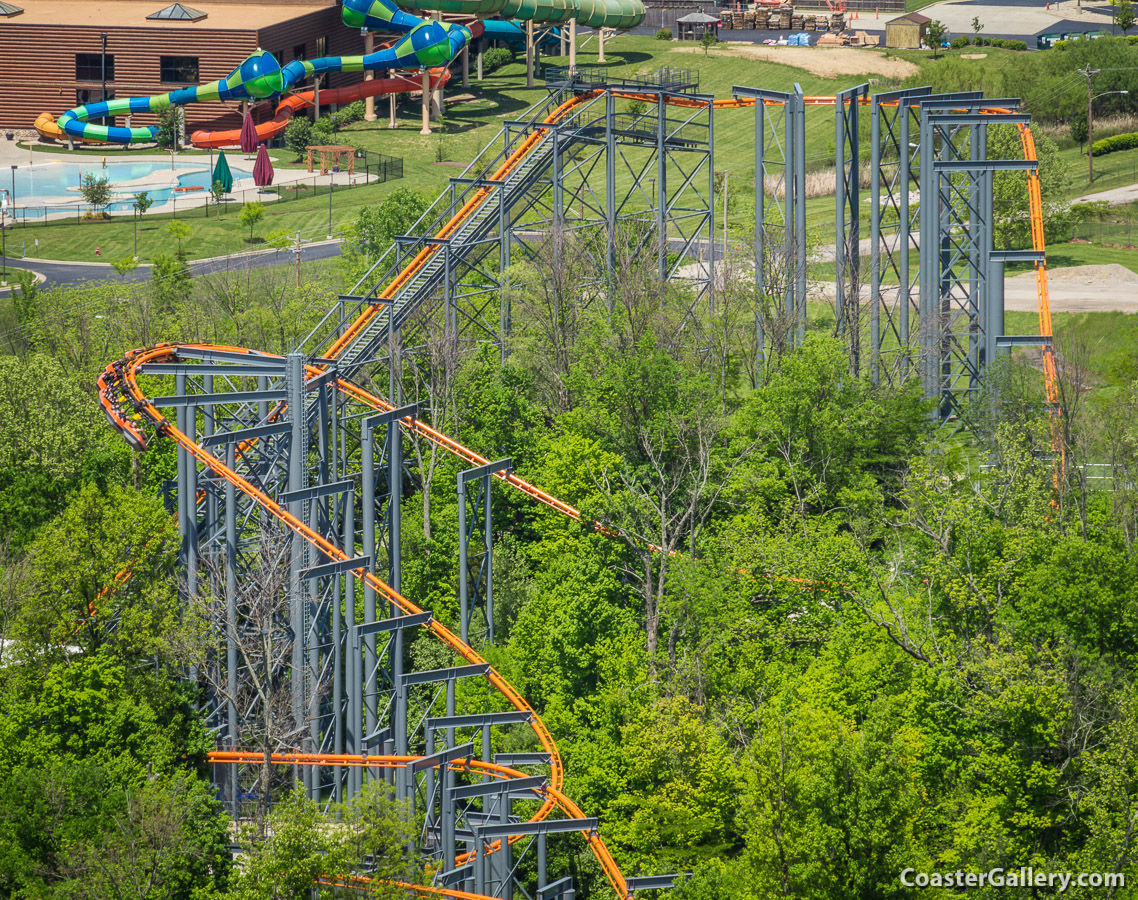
243	188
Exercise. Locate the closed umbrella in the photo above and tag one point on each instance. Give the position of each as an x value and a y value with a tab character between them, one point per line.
248	134
221	173
263	168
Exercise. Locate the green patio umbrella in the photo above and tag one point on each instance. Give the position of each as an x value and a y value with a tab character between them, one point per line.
221	173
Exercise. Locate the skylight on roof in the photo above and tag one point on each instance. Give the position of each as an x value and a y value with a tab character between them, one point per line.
178	12
8	10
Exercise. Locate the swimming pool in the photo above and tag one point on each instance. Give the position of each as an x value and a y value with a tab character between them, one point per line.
53	186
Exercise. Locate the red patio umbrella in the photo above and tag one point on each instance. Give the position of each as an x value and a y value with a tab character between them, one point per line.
248	134
262	168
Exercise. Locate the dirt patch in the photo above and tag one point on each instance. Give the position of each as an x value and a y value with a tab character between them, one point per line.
1077	289
973	55
1110	275
829	62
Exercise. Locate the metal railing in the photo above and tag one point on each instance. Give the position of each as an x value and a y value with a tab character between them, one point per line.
377	168
678	81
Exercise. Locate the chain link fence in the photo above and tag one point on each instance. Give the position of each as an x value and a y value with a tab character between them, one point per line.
371	168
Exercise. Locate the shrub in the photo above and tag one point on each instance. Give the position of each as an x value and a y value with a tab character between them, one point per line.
496	57
958	42
353	112
322	130
298	135
664	34
1114	144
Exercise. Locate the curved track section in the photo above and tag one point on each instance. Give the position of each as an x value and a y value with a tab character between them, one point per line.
119	389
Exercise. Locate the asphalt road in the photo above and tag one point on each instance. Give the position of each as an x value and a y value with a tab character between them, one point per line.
61	273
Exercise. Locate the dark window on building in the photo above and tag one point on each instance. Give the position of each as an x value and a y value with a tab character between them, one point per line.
89	67
298	52
321	47
179	70
83	96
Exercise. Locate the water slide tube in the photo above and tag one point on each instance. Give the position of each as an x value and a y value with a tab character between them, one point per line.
294	103
512	34
424	43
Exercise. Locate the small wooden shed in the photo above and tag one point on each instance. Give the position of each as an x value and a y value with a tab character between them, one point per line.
906	32
693	26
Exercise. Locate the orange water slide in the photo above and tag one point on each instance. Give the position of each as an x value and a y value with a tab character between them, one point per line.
293	103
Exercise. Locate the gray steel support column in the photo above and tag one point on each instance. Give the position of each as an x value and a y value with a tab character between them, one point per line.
352	740
505	863
987	245
800	208
942	309
367	462
790	306
451	320
463	574
399	726
661	198
928	255
448	810
503	265
760	199
875	240
610	195
208	415
847	242
480	868
995	319
348	541
182	477
760	236
904	297
394	504
976	258
192	506
487	752
840	163
231	615
711	208
558	192
488	587
294	379
541	873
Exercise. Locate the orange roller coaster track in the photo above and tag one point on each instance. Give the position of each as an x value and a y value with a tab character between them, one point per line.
129	410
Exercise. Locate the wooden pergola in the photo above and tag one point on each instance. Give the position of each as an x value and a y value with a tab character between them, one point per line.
333	155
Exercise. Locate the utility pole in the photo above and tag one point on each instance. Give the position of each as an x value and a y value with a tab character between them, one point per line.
103	67
1090	73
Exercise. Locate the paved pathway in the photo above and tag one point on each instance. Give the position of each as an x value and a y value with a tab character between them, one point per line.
60	272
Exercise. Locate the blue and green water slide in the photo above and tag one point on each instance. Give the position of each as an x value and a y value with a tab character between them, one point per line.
425	43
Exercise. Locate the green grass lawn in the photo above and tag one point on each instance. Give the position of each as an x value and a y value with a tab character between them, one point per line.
212	236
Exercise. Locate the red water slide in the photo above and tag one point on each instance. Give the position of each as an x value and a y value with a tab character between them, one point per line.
293	103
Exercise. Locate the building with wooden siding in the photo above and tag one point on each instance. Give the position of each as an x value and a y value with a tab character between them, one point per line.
906	32
51	52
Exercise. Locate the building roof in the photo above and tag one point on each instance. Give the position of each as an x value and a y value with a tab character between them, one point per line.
179	13
914	17
7	9
224	15
698	18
